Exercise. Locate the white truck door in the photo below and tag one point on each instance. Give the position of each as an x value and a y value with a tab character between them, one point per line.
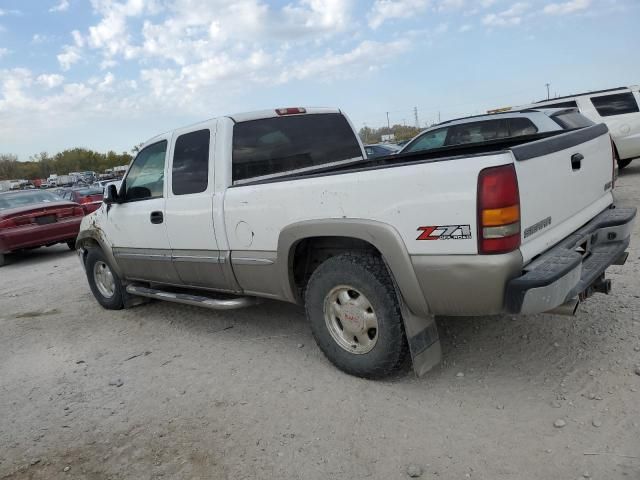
136	223
189	218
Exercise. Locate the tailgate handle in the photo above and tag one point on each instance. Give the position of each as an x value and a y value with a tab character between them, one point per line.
156	217
576	161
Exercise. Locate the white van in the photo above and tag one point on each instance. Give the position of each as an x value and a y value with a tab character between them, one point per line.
616	107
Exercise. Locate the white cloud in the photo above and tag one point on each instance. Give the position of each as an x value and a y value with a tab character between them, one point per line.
509	17
4	12
107	82
465	28
50	81
70	55
4	52
365	56
61	6
384	10
77	38
450	5
566	7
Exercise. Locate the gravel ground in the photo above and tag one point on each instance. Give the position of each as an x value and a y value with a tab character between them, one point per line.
171	391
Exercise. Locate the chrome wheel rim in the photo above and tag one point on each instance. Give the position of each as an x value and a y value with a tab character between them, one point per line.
104	280
350	319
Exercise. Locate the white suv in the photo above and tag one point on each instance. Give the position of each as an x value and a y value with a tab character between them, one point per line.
617	108
494	127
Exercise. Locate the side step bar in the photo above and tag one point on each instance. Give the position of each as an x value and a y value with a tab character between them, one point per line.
196	300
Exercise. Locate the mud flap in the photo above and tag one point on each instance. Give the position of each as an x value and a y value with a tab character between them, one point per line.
424	342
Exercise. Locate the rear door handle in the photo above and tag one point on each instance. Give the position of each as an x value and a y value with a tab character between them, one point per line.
156	217
576	161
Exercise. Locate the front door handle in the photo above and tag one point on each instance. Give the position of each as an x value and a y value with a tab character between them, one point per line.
156	217
576	161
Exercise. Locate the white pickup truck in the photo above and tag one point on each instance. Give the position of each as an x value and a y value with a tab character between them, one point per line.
283	204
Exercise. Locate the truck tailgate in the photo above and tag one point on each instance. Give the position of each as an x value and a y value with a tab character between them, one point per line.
564	182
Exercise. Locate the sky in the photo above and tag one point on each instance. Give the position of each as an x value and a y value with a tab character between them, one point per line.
109	74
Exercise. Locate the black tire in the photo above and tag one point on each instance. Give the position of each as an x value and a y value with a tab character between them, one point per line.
2	260
366	274
623	163
71	244
114	302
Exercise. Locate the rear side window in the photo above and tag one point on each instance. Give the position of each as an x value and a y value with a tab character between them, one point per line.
521	126
617	104
477	132
190	172
282	144
569	120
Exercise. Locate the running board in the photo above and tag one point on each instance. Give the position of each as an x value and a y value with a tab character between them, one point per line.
198	301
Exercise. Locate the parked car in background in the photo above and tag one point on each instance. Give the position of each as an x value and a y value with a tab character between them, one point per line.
103	184
36	218
100	184
492	127
380	150
615	107
89	197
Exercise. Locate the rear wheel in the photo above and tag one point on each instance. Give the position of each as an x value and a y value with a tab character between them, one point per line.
355	317
104	282
71	244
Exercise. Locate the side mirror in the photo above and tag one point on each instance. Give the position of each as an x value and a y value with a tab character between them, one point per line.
110	195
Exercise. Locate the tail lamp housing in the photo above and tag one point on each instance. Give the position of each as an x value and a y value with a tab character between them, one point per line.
498	210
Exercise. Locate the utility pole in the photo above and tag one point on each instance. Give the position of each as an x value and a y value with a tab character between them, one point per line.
415	114
388	124
438	116
547	84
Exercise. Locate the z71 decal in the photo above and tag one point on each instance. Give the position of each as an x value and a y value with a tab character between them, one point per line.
445	232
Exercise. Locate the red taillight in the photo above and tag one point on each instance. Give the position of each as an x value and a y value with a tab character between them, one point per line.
290	111
15	222
78	212
498	210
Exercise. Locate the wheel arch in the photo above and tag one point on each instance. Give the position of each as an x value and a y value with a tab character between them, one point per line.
93	239
381	237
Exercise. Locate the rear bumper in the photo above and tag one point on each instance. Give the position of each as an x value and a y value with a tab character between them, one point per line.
574	266
38	235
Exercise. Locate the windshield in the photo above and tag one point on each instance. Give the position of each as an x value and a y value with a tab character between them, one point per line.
22	199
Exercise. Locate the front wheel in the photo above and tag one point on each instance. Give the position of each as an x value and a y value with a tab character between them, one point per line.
355	317
104	282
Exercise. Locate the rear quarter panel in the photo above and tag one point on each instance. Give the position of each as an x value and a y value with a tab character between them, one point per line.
406	197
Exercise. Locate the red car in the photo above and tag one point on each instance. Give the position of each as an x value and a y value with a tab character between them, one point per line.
36	218
89	197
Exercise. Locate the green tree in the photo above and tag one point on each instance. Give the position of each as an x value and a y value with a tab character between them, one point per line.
41	165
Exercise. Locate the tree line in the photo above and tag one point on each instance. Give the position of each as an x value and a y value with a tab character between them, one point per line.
374	135
42	164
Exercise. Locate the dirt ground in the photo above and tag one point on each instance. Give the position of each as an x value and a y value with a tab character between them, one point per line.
171	391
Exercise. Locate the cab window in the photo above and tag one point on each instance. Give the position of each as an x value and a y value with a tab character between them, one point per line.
190	172
146	174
